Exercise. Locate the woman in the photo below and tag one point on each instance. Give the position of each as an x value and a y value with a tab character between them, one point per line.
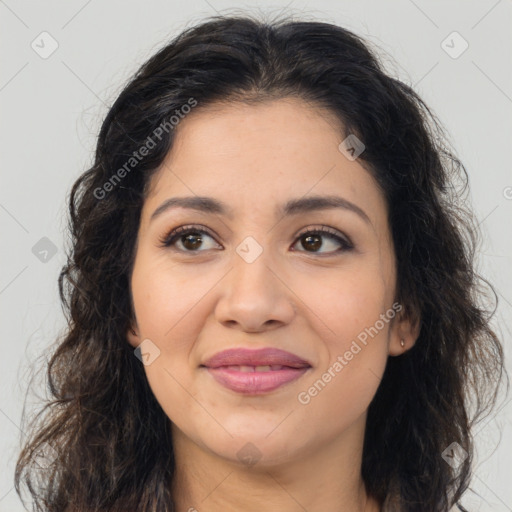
271	291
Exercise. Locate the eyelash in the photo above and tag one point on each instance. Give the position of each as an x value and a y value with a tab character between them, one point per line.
169	239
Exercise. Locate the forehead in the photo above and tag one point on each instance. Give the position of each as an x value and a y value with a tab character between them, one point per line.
261	155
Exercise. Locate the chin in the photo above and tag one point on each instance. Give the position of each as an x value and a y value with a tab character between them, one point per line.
255	448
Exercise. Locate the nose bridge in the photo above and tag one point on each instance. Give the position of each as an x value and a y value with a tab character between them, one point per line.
252	266
254	296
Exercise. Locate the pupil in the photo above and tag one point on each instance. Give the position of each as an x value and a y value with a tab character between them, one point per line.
316	245
190	237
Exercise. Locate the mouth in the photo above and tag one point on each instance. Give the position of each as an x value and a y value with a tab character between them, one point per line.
255	372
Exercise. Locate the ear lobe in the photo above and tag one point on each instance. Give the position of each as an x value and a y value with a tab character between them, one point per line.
404	333
132	337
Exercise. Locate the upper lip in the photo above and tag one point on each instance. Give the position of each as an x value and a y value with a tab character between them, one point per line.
251	357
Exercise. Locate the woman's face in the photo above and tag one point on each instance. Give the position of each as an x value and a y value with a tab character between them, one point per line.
253	280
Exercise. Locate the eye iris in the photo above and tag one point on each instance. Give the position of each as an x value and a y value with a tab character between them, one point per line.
316	245
194	237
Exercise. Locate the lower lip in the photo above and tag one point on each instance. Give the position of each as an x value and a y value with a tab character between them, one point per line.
255	383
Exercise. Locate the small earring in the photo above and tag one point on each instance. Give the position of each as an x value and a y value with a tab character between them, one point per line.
133	332
402	342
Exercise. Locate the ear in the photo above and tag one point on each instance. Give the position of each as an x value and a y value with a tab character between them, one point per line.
132	336
404	331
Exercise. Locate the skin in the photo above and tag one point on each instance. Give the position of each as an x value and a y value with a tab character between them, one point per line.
310	301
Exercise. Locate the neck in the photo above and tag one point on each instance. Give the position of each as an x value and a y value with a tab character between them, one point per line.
319	480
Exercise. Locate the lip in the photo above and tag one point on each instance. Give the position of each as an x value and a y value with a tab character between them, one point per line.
252	357
225	369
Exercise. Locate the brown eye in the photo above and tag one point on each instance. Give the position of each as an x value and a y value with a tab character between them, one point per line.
313	240
192	241
187	239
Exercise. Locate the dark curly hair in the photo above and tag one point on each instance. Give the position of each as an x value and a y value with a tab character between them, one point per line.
107	441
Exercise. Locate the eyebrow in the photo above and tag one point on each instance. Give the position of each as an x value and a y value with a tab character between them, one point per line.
291	207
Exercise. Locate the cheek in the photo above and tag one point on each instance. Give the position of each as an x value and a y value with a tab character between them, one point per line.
164	294
171	308
353	318
346	302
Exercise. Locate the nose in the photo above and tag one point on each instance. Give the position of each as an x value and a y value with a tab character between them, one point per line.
255	296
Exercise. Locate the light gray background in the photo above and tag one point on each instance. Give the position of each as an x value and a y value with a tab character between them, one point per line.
52	109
